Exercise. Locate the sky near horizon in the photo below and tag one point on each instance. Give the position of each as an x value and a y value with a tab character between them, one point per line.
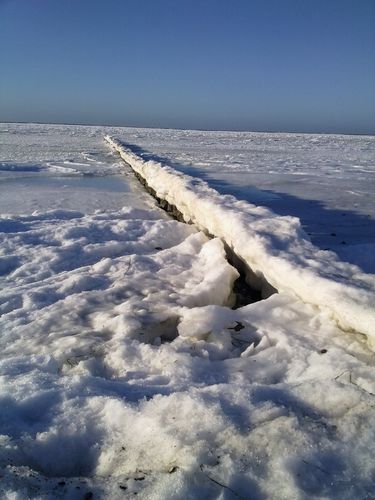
291	65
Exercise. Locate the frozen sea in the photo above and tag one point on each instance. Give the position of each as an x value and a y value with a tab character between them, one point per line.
124	369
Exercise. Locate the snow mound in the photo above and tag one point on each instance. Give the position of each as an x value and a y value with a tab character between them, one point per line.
71	266
275	248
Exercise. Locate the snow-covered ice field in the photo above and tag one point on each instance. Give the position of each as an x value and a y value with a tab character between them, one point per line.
328	181
124	370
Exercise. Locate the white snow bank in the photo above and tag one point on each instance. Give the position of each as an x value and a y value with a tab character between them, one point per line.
274	247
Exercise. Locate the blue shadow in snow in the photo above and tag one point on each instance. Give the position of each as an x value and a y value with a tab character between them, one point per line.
19	168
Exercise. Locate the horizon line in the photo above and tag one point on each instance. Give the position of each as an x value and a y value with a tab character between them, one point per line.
366	134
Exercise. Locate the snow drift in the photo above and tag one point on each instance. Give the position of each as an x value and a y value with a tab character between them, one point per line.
275	248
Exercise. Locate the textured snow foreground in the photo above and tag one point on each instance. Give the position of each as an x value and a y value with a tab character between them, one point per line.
124	370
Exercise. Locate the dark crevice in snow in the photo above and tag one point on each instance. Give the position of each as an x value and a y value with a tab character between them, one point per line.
245	294
248	288
172	210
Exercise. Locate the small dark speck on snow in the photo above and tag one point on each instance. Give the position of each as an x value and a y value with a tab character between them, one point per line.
239	326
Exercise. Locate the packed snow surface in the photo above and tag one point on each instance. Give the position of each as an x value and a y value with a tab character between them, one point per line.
123	368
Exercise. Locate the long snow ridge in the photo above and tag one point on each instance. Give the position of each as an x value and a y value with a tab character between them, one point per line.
275	249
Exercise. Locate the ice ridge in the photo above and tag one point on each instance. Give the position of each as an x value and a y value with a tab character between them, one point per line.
275	248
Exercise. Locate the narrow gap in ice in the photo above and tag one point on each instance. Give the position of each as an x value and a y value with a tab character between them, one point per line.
243	290
245	293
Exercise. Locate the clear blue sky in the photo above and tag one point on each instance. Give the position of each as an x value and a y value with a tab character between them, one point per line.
288	65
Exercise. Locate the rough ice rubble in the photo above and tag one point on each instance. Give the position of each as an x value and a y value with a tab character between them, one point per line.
274	247
282	410
145	269
79	290
267	414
